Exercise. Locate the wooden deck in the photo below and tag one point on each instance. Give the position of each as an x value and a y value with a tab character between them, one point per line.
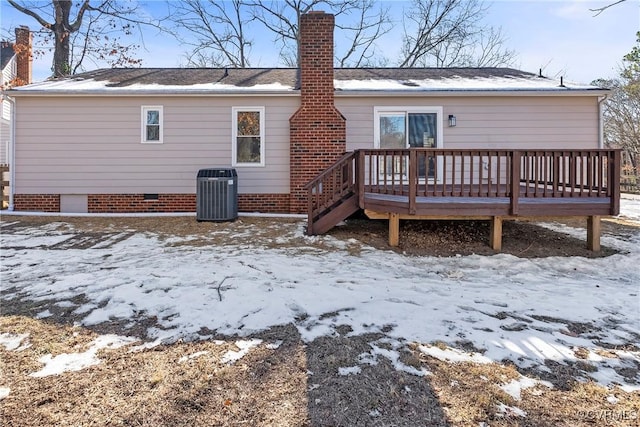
467	184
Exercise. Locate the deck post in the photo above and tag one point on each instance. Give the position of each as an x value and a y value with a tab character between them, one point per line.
515	181
310	211
394	229
593	233
615	165
496	233
413	180
360	177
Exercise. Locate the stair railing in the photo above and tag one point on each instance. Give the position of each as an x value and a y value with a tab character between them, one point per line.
331	186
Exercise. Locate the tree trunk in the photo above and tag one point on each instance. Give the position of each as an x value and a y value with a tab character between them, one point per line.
62	31
61	66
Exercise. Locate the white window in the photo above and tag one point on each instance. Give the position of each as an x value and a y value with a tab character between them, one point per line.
248	146
152	125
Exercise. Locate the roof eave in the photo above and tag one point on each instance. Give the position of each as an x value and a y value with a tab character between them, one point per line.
138	93
474	92
17	92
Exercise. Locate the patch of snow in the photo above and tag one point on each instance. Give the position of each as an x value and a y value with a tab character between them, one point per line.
13	342
453	355
103	86
351	370
630	207
608	376
44	314
4	392
192	356
392	355
612	399
510	411
231	356
274	345
85	308
30	241
77	361
459	84
146	346
514	387
65	304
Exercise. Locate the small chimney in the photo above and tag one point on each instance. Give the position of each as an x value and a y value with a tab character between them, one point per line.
317	131
24	56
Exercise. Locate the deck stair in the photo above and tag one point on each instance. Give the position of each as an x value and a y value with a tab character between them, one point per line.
333	195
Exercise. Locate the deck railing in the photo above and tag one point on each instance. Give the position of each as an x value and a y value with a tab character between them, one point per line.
443	173
332	185
513	174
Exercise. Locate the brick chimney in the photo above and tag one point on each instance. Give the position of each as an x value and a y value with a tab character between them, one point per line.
24	56
317	129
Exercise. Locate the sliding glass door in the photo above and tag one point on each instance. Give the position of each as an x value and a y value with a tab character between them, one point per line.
409	128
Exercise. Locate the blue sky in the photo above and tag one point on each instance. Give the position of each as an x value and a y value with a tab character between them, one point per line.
561	36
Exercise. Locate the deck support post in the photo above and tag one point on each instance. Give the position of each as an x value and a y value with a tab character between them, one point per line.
593	233
496	233
394	229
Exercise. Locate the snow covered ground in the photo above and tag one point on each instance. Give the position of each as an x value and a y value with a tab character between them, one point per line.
525	310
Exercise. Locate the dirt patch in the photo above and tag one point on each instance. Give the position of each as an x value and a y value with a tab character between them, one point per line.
523	238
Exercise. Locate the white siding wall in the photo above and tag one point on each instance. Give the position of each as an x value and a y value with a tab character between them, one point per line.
5	137
92	145
8	73
490	122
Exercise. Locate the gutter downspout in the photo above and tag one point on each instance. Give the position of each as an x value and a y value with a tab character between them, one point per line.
601	100
12	151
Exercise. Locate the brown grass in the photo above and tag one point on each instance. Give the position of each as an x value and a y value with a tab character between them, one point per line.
293	384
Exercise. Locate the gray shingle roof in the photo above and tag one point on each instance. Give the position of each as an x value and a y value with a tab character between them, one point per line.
247	77
6	53
286	80
240	77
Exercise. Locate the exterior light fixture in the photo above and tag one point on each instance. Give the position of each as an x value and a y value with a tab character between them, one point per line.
452	120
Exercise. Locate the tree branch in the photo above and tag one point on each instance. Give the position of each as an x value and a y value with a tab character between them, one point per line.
31	13
599	10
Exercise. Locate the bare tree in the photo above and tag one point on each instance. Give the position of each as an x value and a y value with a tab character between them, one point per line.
448	33
222	37
88	29
370	21
490	51
216	31
622	112
599	10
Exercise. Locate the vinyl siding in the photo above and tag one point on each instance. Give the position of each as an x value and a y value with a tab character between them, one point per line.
93	145
85	145
8	74
508	122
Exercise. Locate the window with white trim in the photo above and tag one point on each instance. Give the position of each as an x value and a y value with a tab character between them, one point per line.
152	125
248	145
